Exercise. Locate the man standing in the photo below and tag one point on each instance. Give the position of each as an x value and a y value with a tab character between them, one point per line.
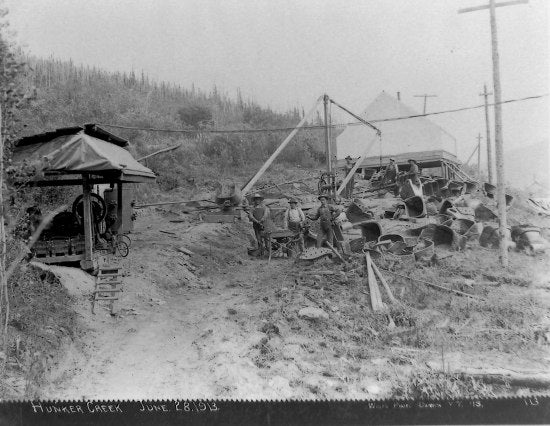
390	176
326	213
294	219
259	217
348	193
414	172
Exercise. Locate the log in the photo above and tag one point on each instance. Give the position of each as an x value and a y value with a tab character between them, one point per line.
539	379
160	151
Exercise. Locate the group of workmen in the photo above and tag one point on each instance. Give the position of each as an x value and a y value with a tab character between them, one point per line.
390	175
294	218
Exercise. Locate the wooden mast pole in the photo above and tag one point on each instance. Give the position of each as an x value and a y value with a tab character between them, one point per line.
328	147
87	263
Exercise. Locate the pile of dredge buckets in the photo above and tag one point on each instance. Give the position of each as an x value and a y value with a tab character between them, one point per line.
452	217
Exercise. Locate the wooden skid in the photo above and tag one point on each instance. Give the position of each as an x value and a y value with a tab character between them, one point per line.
61	259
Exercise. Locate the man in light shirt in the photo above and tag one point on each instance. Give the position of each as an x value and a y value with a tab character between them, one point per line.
294	220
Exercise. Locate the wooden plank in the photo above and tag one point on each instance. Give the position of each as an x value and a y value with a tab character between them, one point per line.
384	283
61	259
376	299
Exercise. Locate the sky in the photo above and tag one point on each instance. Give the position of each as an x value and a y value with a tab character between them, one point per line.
286	53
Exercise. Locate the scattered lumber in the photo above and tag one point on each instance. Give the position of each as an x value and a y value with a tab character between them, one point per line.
460	293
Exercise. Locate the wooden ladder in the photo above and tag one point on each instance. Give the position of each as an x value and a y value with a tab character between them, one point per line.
108	285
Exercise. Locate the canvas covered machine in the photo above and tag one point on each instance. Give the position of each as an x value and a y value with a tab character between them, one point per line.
82	156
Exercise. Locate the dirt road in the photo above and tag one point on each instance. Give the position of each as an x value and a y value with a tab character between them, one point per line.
220	324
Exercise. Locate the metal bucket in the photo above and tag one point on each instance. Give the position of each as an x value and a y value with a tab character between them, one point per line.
415	207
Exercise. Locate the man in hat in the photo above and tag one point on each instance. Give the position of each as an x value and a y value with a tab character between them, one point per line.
348	191
294	219
326	213
259	215
414	172
390	175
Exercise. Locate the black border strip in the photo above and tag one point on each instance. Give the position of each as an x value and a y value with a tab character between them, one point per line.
517	410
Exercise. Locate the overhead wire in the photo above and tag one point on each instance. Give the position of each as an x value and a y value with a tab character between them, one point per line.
316	126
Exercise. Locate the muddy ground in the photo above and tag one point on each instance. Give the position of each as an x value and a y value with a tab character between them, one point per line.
219	323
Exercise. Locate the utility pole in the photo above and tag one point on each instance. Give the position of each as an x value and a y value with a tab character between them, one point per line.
425	96
485	94
479	156
501	196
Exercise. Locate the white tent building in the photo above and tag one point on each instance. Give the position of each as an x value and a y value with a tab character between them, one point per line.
400	138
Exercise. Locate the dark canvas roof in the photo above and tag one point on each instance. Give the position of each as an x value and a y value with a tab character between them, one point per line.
79	150
89	129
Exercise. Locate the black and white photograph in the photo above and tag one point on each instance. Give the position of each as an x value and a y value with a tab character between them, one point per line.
274	200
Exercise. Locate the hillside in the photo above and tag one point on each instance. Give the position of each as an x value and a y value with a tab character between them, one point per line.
67	94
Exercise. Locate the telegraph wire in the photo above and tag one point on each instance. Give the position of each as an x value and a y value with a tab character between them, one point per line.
317	126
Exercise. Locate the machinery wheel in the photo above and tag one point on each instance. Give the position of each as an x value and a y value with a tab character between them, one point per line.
122	249
99	208
125	239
